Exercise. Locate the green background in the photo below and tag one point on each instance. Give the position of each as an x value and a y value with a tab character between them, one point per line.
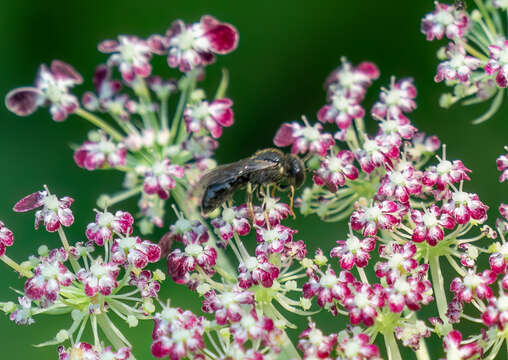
286	50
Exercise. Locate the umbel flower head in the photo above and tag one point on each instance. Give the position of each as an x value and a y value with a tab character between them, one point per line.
134	130
86	289
473	62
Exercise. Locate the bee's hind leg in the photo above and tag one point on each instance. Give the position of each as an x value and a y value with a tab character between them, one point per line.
291	200
250	191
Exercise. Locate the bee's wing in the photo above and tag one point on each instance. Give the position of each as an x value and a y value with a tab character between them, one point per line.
232	172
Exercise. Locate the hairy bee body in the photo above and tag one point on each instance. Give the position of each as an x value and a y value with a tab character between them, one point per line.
265	167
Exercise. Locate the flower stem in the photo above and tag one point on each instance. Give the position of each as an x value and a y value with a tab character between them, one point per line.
114	336
438	285
26	273
391	346
105	201
223	86
177	118
362	274
287	348
422	353
99	123
486	16
63	238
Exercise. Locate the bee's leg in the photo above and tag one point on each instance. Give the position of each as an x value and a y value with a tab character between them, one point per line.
261	193
291	198
250	191
273	191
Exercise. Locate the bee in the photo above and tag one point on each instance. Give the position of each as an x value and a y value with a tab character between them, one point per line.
265	167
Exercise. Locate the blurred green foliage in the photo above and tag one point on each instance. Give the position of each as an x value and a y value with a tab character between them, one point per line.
286	50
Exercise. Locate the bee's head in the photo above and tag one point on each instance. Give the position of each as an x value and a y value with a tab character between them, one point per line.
295	170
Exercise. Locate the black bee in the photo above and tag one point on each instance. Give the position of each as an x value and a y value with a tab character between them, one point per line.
265	167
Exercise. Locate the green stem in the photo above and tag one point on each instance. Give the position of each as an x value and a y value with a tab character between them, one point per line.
423	352
496	103
391	346
475	52
99	123
111	332
486	16
287	348
63	238
142	92
438	284
164	114
26	273
105	201
223	86
362	274
177	119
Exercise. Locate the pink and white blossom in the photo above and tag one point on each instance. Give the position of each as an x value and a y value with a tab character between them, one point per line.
49	276
342	110
211	116
353	251
131	54
160	179
177	334
465	207
430	224
100	278
134	251
498	63
106	225
314	344
445	20
502	165
335	170
452	344
6	238
227	306
303	138
51	89
473	285
381	215
396	101
257	271
232	220
400	183
354	80
459	66
191	46
54	213
92	155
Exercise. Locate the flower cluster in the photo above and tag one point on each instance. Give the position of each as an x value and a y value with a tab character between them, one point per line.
88	289
409	212
474	62
159	152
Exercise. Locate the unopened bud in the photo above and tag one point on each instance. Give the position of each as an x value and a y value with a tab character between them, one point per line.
203	289
158	275
476	15
62	335
132	321
43	250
